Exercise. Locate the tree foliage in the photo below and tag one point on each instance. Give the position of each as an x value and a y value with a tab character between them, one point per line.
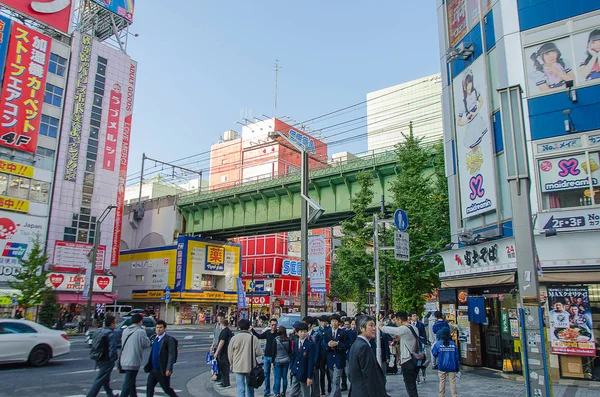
50	309
353	270
421	190
32	279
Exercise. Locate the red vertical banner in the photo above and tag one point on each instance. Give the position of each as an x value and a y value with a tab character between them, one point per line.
23	88
112	129
116	243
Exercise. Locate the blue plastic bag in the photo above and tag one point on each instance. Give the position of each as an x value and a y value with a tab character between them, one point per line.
209	358
215	367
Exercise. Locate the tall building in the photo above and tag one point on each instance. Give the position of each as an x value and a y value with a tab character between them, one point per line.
390	111
65	138
543	57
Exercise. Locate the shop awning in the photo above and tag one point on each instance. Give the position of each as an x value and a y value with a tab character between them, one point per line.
68	298
490	279
570	277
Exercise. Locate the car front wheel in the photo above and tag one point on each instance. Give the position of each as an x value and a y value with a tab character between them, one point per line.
40	355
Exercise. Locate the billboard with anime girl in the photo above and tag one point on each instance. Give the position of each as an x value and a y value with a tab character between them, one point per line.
474	141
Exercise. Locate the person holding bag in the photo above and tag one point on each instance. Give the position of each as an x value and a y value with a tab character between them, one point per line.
282	350
242	352
132	352
410	350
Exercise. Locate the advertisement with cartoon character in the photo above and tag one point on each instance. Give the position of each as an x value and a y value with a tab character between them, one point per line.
17	233
316	263
474	141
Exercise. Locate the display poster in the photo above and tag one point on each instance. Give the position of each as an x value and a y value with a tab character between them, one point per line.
70	256
570	171
17	233
462	319
571	330
55	13
75	282
474	141
5	24
293	244
209	258
316	259
463	15
123	8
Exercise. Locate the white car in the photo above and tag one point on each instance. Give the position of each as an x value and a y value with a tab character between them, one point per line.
27	341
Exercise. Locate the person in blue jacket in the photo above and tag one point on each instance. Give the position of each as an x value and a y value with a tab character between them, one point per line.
303	360
448	360
351	336
335	348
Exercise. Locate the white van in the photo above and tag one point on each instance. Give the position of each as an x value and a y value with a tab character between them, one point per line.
118	310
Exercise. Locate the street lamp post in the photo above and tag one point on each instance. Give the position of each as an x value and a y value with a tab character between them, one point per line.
92	269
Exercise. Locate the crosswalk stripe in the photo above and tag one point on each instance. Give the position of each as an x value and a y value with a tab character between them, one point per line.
158	392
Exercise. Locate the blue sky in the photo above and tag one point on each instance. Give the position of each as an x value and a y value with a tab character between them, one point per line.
205	65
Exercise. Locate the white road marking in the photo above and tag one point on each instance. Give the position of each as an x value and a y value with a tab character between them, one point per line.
189	337
77	372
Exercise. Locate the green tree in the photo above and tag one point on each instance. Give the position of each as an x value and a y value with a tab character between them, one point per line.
421	191
353	270
32	279
50	309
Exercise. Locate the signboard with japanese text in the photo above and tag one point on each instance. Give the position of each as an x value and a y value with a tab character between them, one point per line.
480	258
258	301
17	233
580	219
54	13
23	88
571	329
82	71
123	160
13	168
569	172
71	256
463	15
475	150
75	282
14	204
5	25
156	267
241	293
112	128
316	263
211	258
123	8
401	246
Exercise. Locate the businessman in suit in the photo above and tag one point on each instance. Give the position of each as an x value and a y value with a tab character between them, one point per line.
160	363
335	348
366	376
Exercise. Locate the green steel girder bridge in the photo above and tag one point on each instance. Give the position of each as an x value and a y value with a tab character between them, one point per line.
273	205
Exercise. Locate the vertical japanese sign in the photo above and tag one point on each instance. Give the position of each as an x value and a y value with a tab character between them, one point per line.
78	108
116	243
112	128
241	294
316	263
5	25
23	88
571	330
474	141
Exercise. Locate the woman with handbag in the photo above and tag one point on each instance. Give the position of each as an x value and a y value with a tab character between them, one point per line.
282	348
242	352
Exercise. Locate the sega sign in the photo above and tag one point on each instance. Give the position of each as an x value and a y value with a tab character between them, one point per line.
291	268
302	140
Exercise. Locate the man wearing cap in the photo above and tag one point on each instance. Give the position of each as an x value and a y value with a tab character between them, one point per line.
335	347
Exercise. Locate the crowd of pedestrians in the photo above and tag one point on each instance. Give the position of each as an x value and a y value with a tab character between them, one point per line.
325	355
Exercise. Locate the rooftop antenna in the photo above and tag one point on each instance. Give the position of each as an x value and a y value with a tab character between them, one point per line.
277	69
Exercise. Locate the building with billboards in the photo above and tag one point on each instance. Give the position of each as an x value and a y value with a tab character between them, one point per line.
391	110
274	258
64	138
530	69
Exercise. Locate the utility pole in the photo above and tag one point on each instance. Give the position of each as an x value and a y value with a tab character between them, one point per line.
377	287
385	272
252	295
92	269
304	236
277	68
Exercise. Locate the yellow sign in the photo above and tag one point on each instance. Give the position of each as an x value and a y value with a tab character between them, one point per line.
152	263
215	255
16	169
14	204
204	260
210	295
148	295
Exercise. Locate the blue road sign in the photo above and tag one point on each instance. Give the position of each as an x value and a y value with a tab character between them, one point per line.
15	301
401	220
167	296
252	284
167	289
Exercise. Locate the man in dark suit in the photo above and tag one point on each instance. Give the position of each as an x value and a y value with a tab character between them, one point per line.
160	363
335	347
366	376
303	362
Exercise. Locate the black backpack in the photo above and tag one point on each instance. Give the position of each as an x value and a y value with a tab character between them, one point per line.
99	350
176	348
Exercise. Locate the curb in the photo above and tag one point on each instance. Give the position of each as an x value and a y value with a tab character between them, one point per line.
201	386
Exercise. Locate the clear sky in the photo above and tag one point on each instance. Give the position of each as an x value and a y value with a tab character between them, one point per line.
204	65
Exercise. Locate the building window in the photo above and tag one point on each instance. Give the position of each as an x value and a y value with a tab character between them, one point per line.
49	126
3	184
40	192
18	187
53	95
139	278
44	158
57	65
569	171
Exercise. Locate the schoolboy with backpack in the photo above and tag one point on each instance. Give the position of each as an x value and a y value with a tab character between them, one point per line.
104	352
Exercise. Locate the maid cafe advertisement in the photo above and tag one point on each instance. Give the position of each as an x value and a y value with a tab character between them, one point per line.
474	141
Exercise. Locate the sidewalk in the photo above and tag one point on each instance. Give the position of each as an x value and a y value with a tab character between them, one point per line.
474	383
